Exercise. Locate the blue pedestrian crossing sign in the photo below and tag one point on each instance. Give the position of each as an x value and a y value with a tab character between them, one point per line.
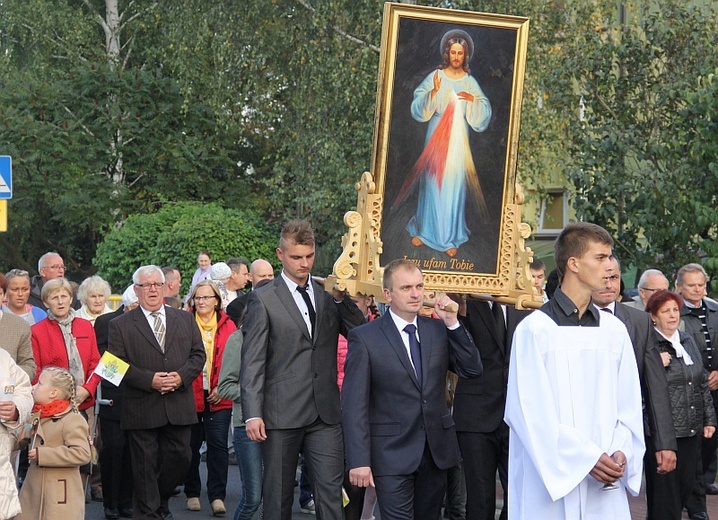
5	177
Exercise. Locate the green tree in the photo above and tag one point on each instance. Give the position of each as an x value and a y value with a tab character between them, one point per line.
97	135
174	236
639	159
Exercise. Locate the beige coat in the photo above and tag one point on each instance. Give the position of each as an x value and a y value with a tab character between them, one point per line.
53	487
22	397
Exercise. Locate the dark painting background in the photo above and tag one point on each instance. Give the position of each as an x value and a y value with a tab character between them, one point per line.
492	65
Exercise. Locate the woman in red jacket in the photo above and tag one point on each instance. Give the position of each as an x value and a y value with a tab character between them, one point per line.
213	412
65	340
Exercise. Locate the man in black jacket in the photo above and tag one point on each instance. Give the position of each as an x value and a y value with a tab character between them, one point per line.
660	434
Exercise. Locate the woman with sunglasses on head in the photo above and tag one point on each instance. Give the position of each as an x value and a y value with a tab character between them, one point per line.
214	414
17	294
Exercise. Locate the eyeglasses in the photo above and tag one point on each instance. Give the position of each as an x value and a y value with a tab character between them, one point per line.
649	290
204	298
55	267
157	285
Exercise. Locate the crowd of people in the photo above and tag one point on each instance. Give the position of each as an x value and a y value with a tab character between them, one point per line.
414	409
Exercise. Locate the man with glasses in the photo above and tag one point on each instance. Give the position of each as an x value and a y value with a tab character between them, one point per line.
165	351
50	266
651	280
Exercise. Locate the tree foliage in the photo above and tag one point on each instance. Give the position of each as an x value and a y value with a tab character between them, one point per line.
270	105
642	160
174	236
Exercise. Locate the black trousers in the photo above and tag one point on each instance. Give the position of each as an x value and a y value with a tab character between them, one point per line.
484	454
419	495
667	495
160	460
117	477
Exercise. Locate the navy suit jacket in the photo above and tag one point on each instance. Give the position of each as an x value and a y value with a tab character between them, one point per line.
387	418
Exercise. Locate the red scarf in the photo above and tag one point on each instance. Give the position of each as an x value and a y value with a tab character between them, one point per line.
50	409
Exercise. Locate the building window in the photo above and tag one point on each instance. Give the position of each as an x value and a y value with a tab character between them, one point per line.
553	215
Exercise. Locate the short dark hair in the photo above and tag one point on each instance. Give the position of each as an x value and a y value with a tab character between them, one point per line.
169	270
235	262
574	241
395	265
538	265
299	232
659	298
3	282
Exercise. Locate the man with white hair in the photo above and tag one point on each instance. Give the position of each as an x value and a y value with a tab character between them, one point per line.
49	266
651	280
165	352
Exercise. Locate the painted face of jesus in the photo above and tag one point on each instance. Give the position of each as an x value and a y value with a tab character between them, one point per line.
456	56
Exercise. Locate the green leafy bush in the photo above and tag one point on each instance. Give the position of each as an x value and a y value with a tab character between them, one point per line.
176	234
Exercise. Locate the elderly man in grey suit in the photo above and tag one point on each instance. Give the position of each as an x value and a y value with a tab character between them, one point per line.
165	351
288	380
661	443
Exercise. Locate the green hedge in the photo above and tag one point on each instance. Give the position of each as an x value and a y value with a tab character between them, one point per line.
174	236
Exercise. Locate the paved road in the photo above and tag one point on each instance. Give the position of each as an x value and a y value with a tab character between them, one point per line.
177	504
94	510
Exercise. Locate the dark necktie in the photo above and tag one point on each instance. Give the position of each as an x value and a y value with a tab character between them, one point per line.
415	349
303	290
499	322
606	309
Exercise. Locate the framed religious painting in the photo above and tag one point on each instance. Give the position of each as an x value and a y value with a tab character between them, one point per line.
446	143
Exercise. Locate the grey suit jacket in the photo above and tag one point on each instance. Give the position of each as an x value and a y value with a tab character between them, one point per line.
387	418
288	378
653	376
131	339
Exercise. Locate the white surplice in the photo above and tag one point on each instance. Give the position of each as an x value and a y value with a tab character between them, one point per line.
573	394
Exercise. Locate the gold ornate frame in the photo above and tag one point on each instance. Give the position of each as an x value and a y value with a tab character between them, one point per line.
359	268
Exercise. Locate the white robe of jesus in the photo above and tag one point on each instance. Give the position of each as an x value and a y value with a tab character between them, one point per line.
573	394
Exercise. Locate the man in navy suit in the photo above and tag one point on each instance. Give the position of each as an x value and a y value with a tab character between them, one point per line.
399	435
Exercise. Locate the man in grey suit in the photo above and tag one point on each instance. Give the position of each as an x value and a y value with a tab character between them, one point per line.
288	379
399	433
661	443
164	349
651	280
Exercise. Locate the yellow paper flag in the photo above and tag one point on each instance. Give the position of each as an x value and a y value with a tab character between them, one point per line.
111	368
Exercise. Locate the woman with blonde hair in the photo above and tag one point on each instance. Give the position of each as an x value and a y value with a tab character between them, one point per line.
64	339
213	412
53	487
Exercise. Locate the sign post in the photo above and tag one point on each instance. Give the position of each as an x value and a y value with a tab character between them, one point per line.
5	188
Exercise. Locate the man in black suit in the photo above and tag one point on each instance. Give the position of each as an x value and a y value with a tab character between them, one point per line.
479	407
661	443
288	379
117	479
398	431
164	349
